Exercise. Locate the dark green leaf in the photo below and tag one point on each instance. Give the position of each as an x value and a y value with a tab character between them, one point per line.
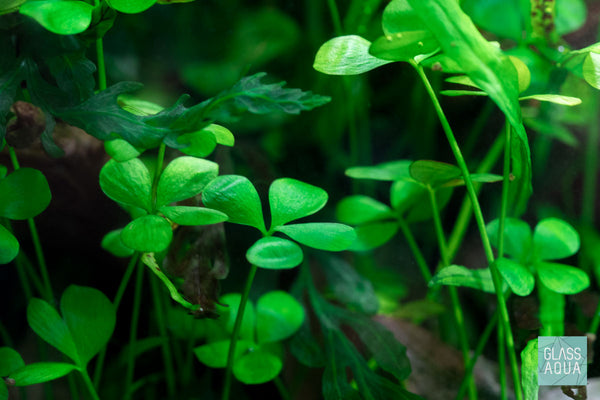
24	194
63	17
7	7
149	233
529	370
232	302
184	215
346	55
349	287
275	253
183	178
90	317
562	278
518	277
257	367
278	316
404	46
291	199
305	347
10	78
41	372
358	209
554	239
131	6
235	196
214	354
370	236
457	275
127	182
74	74
320	235
389	171
182	325
10	361
517	237
113	244
9	246
433	173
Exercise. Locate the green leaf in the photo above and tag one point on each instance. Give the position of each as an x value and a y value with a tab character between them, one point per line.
346	55
406	193
291	199
183	178
554	98
9	246
320	235
138	106
278	316
41	372
10	360
518	277
45	321
570	15
562	278
358	209
275	253
551	312
121	150
404	46
184	215
214	355
552	129
517	237
529	370
497	16
198	144
554	239
90	317
591	69
257	367
149	233
351	288
127	182
112	243
399	16
150	261
222	135
230	311
433	173
74	75
235	196
7	7
24	194
131	6
389	171
63	17
456	93
457	275
372	235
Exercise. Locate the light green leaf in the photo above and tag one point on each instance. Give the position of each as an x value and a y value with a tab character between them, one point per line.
45	321
518	277
517	237
523	73
591	69
257	367
121	150
404	46
359	209
457	275
150	261
456	93
275	253
41	372
433	173
235	196
24	194
389	171
214	355
90	317
131	6
9	246
406	193
127	182
184	215
291	199
497	16
346	55
223	135
554	98
370	236
554	239
529	370
230	311
149	233
183	178
10	361
570	15
399	16
198	144
278	316
63	17
113	244
320	235
562	278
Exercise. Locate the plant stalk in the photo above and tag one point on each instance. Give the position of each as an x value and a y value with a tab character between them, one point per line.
135	315
89	385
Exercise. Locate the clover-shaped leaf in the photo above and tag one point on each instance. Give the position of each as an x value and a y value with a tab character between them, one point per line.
275	253
63	17
113	243
562	278
518	277
257	367
9	246
291	199
127	182
358	209
372	235
554	239
230	311
319	235
184	215
183	178
131	6
215	354
149	233
40	372
24	194
10	360
278	316
517	237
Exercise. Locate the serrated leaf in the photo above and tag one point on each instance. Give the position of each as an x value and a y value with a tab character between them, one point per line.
41	372
320	235
278	316
351	288
404	46
517	237
554	239
291	199
275	253
131	6
457	275
346	55
183	178
257	367
127	182
235	196
112	243
184	215
148	234
63	17
230	311
74	75
359	209
9	246
24	194
214	355
554	98
389	171
90	317
562	278
518	277
372	235
10	360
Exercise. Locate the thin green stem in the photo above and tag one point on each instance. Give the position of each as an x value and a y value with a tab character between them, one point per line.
595	324
89	384
414	248
283	392
101	64
160	159
502	362
505	186
335	17
135	314
236	332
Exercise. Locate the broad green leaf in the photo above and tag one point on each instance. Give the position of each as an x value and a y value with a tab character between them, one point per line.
278	316
517	237
10	361
405	193
529	370
554	98
184	215
291	199
398	16
523	73
198	144
90	317
222	135
562	278
551	312
257	367
74	74
275	253
112	243
591	69
443	63
9	246
570	15
370	236
404	46
554	239
496	16
320	235
131	6
127	182
457	275
232	302
481	178
214	355
149	233
63	17
346	55
235	196
433	173
389	171
41	372
183	178
359	209
24	194
121	150
45	321
518	277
